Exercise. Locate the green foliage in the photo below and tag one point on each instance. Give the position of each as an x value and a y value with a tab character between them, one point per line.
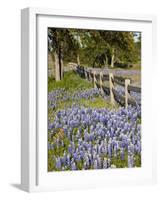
96	47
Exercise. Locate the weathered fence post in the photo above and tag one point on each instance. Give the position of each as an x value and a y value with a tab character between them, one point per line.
127	83
111	88
101	75
85	73
94	79
90	78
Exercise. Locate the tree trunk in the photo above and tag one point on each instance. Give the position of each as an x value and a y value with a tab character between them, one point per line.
57	66
112	58
78	59
106	61
61	66
94	62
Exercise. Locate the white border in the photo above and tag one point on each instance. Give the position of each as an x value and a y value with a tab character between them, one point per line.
33	178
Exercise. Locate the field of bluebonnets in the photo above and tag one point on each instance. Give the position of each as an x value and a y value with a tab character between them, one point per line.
86	132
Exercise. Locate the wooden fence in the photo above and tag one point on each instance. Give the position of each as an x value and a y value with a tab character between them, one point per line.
99	77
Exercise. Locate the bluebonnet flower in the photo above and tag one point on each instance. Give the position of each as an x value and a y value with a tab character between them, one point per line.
58	163
130	160
73	166
95	166
110	150
99	160
93	133
122	153
105	163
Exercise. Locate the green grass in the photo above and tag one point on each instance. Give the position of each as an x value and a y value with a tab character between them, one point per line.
124	163
98	102
71	81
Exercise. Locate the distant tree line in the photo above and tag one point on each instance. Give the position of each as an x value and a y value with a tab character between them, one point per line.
94	48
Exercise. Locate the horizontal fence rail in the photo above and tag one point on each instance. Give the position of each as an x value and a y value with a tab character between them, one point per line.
99	77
